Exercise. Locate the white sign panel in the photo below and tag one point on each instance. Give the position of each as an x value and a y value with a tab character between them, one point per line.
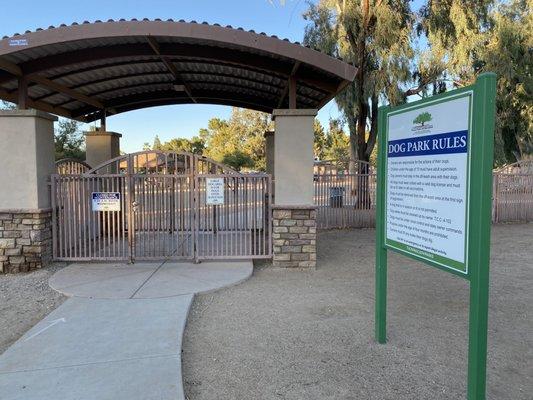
214	191
427	185
106	201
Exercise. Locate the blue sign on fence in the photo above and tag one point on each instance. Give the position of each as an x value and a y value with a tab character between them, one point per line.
106	201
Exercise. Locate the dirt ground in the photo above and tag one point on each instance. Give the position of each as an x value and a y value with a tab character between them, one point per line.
309	335
25	299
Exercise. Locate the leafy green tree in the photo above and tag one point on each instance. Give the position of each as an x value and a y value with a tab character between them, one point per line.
422	118
157	143
69	140
337	144
508	52
194	145
242	133
238	160
376	37
319	144
469	37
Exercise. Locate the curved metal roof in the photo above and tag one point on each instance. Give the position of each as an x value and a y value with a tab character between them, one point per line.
85	71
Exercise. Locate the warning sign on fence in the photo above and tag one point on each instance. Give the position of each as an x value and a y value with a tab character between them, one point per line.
106	201
214	191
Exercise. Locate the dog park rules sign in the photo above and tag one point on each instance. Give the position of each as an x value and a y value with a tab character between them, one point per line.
427	180
434	200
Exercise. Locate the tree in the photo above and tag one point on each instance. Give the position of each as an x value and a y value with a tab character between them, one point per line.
508	53
5	105
69	140
376	37
319	143
242	134
471	37
238	160
337	144
157	143
422	118
194	145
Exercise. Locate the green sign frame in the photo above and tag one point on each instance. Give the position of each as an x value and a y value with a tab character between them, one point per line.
475	268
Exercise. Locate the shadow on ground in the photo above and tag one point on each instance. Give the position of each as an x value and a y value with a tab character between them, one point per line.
309	335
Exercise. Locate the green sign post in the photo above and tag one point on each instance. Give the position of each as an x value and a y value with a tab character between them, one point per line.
434	199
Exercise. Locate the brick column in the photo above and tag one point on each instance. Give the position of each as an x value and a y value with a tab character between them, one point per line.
294	236
25	240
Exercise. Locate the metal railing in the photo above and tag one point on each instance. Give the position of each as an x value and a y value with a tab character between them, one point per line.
345	200
348	200
240	228
512	199
68	166
161	216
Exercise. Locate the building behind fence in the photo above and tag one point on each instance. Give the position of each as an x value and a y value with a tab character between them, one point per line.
347	200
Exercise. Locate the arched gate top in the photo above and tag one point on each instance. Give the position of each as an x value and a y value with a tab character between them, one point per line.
161	162
71	166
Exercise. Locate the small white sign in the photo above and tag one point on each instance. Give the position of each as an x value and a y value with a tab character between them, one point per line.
18	42
214	191
106	201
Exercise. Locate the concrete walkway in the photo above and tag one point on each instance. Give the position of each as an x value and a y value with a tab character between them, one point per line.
119	335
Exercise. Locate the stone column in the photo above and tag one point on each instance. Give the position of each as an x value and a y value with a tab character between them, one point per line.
294	213
100	147
27	157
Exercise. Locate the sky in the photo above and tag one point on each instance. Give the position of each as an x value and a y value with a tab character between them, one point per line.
138	127
275	17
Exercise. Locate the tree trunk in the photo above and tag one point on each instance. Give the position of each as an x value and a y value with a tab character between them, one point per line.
353	146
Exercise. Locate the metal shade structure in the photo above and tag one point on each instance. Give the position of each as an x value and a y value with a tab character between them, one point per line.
90	70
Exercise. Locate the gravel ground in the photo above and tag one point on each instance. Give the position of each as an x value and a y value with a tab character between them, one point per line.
25	299
309	335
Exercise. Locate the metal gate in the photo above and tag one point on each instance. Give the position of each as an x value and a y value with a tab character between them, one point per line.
164	212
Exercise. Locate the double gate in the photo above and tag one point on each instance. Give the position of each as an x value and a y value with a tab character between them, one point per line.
162	211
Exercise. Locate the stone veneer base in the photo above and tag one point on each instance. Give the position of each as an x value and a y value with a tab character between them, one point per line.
25	240
294	236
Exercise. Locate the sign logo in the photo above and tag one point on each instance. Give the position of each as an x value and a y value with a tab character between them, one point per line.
421	121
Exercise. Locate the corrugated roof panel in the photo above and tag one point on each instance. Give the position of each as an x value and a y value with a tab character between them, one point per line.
113	60
136	90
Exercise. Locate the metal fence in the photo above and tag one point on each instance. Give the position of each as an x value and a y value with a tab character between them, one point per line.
348	200
345	200
162	215
513	193
68	166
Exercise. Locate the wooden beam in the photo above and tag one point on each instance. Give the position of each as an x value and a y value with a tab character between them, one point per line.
38	105
65	90
169	66
13	69
22	93
57	87
292	92
287	86
331	96
103	121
